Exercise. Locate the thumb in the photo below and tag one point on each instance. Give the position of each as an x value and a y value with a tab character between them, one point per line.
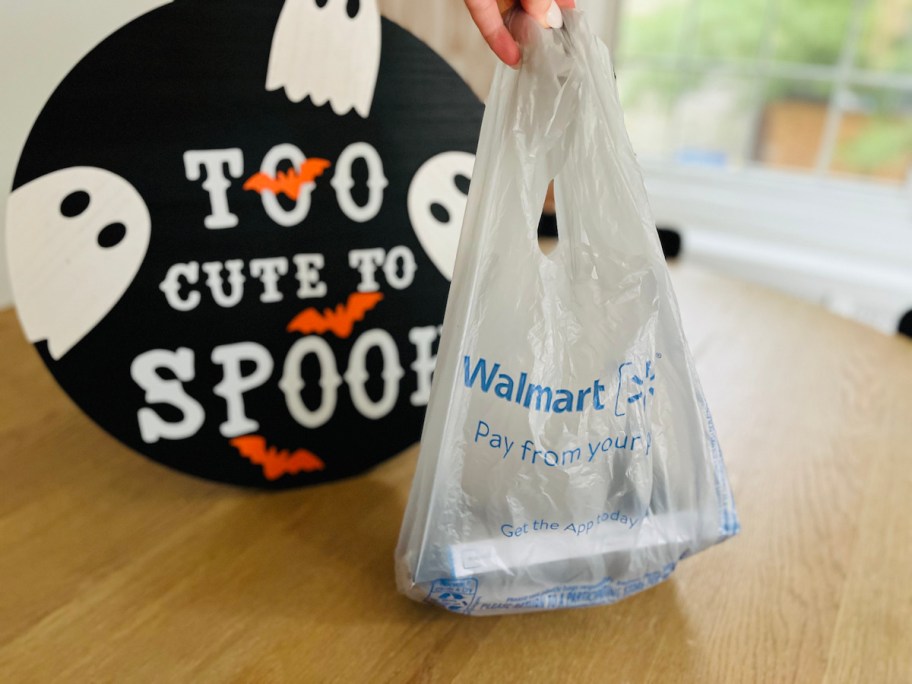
547	12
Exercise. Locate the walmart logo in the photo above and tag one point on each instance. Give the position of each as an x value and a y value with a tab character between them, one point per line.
635	385
645	384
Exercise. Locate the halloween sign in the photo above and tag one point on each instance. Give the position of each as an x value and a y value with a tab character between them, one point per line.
231	234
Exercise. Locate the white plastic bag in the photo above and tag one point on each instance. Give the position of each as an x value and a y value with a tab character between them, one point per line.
568	456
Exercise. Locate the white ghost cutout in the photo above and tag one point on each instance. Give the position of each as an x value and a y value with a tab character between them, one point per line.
437	206
326	54
76	239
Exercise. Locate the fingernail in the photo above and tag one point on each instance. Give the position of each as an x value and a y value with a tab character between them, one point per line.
554	17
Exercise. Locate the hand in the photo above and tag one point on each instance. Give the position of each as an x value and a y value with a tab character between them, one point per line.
488	16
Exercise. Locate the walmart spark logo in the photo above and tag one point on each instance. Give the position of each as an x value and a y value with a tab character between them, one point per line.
634	386
645	384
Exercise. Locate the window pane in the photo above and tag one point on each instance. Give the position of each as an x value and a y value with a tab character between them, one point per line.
875	134
791	123
732	29
721	83
712	121
886	41
651	27
648	96
811	31
693	118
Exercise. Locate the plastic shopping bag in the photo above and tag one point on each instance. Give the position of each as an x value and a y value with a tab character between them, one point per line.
568	456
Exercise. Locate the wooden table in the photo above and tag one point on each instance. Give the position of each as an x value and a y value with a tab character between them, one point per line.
113	568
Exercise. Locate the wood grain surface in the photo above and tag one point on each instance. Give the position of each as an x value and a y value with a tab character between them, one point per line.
113	568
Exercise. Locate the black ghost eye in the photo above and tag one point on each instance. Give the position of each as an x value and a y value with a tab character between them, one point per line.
75	204
462	183
321	3
439	212
354	6
112	235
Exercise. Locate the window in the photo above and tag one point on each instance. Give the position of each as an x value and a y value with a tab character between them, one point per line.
818	86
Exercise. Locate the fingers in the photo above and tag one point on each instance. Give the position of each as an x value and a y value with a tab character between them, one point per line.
548	12
487	18
538	9
487	15
504	5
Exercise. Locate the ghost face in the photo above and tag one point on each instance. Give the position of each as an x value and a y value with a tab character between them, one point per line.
437	204
328	50
76	239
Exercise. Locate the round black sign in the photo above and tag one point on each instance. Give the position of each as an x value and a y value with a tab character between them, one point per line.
231	233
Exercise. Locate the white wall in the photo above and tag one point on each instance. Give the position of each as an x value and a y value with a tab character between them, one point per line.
40	40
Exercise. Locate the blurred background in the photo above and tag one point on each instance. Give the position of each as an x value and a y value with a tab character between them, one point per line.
821	86
775	135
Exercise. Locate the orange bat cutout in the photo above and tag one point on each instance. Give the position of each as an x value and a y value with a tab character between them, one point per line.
339	321
276	463
289	182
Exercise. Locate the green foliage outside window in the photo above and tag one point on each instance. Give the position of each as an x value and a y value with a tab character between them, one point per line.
695	39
